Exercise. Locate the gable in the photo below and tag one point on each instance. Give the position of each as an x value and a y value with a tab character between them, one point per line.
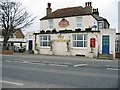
19	34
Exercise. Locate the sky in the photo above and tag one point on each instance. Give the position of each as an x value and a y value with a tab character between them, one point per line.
107	9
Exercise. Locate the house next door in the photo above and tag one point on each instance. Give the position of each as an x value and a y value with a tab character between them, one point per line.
105	44
30	45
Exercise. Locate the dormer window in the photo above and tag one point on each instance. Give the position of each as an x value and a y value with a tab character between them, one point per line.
50	23
79	22
100	24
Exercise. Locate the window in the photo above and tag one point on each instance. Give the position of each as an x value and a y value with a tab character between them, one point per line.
79	22
44	40
100	25
50	24
80	40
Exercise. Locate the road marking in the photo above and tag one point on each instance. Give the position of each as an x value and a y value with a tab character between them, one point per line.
20	84
38	63
58	65
18	59
24	62
80	65
115	69
8	60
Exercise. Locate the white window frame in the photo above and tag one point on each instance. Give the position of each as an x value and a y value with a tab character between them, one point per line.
42	41
50	23
79	22
83	40
100	27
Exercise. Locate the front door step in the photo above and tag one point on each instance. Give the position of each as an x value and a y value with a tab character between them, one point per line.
105	56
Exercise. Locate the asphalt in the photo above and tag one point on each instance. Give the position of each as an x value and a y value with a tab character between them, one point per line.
50	76
45	71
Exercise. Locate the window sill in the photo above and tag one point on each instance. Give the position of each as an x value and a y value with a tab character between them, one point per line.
44	47
79	47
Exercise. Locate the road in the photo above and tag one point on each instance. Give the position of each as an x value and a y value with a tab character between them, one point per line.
33	71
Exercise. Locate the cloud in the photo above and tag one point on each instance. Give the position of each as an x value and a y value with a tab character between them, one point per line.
107	8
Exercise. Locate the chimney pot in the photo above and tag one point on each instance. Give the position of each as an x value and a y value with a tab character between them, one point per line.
49	5
86	4
97	9
90	3
48	9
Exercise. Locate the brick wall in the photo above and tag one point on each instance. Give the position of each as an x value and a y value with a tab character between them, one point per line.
117	54
8	52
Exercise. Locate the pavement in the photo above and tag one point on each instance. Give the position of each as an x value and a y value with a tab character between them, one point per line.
82	58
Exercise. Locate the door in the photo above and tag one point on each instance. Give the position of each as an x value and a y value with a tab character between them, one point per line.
60	48
30	45
105	44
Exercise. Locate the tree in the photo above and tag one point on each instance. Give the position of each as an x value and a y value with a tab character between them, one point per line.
13	18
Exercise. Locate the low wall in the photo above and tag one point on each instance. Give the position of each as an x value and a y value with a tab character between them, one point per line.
117	54
8	52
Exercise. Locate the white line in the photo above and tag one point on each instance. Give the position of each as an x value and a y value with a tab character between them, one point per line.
12	83
115	69
18	59
24	62
18	62
79	65
8	61
58	65
37	63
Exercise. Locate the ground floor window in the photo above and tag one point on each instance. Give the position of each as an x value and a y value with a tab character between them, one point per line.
44	40
79	40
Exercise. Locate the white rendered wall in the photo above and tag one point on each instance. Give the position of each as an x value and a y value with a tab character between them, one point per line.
87	21
60	46
112	34
30	36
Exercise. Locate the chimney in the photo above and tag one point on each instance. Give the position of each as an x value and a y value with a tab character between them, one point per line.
88	7
48	9
95	11
88	4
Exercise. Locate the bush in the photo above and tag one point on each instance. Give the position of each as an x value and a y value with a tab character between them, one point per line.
54	31
42	31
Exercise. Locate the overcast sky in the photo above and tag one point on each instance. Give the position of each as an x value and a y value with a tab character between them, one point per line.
107	9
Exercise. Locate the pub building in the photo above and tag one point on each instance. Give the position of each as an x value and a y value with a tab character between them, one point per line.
74	31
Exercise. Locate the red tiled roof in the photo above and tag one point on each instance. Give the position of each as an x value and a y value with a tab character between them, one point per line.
73	11
68	12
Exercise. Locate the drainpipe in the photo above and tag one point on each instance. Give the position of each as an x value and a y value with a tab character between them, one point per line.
35	41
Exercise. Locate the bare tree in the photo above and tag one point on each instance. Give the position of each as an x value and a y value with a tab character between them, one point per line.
13	18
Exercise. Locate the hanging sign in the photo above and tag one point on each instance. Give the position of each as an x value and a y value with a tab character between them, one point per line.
63	23
92	42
